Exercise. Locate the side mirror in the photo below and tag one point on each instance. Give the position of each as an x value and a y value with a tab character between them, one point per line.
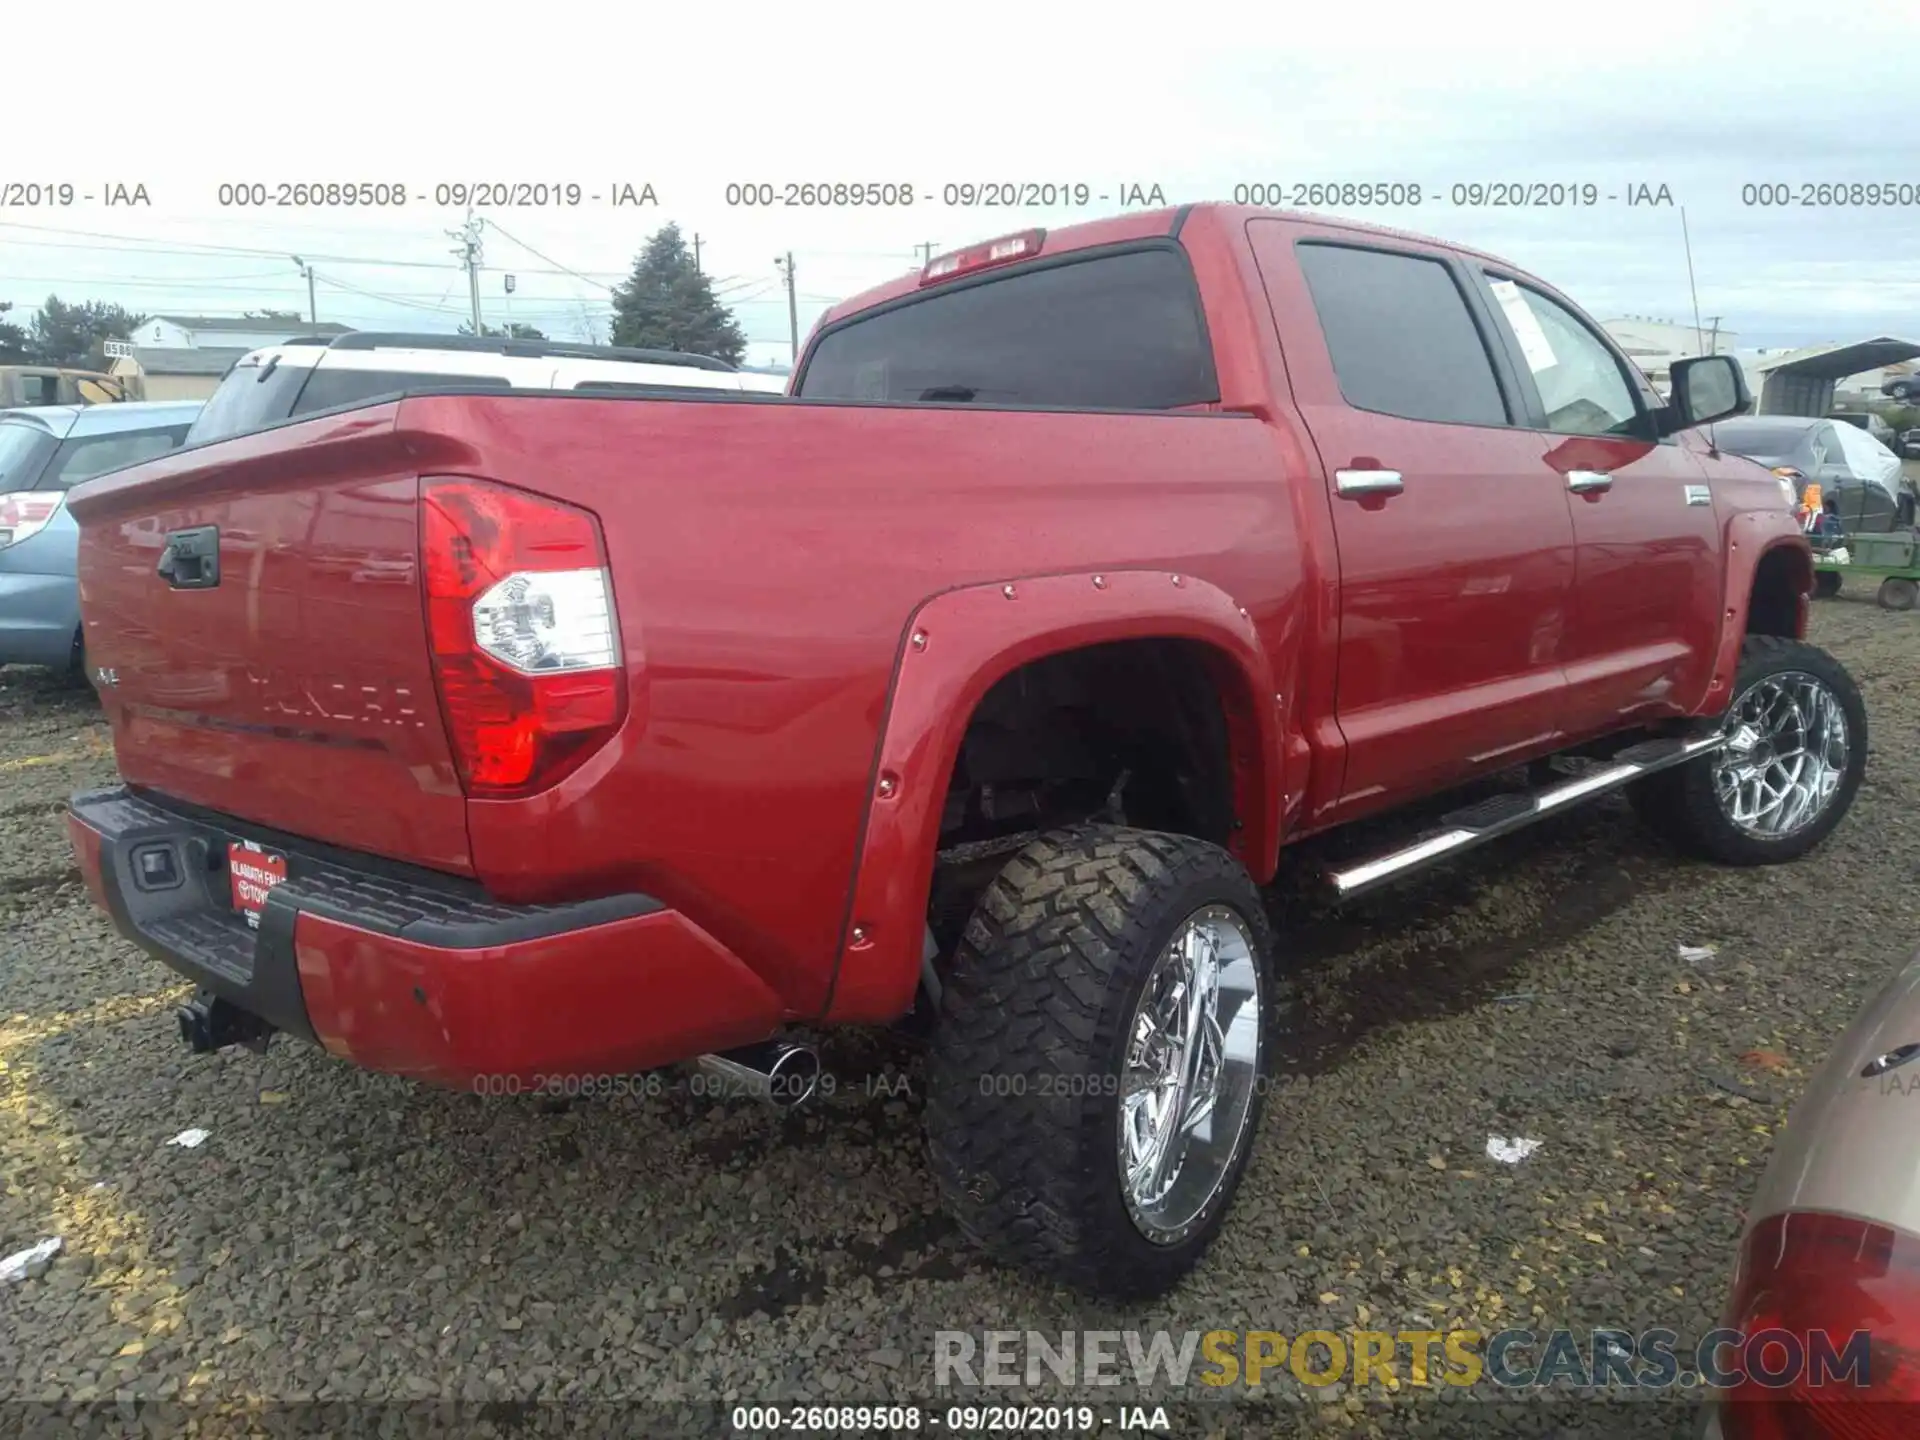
1705	388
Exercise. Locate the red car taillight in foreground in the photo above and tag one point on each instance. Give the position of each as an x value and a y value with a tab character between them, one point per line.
526	647
26	512
1807	1282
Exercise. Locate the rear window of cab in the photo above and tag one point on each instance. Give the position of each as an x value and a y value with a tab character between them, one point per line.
1110	332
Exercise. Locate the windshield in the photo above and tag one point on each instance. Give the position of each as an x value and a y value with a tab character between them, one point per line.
24	448
254	394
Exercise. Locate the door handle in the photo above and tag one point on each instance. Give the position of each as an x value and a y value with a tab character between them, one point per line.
1353	484
1583	482
191	560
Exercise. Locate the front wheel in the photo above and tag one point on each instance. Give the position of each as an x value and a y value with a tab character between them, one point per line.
1100	1057
1795	753
1826	584
1898	593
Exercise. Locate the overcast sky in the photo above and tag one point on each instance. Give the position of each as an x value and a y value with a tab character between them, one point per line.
1701	97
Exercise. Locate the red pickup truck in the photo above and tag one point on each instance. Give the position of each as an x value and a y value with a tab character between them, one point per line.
980	681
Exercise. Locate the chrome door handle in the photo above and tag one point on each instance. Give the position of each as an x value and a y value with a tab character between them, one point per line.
1582	481
1355	483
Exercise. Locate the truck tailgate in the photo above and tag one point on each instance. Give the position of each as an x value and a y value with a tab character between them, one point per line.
293	688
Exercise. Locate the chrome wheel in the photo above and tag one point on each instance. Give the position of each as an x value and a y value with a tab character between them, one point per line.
1785	757
1193	1059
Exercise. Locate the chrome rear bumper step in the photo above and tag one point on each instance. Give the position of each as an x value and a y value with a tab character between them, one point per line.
1503	814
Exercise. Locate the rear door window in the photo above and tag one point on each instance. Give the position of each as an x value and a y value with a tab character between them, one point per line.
84	456
1114	332
1400	335
332	386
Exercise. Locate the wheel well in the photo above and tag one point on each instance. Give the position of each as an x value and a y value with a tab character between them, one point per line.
1135	731
1779	580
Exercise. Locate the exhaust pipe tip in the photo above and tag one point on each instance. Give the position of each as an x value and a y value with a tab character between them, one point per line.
779	1073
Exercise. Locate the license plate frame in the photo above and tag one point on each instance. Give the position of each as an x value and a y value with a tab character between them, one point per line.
252	873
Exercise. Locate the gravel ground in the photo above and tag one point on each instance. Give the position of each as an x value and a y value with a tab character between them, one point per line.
343	1236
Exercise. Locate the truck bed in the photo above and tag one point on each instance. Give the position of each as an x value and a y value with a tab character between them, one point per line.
766	560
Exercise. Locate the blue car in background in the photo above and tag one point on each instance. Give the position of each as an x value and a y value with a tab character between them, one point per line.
45	450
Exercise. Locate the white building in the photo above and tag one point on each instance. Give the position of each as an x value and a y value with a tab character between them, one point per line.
1654	345
225	332
1672	339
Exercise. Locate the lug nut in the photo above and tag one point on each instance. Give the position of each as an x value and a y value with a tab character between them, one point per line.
919	639
887	786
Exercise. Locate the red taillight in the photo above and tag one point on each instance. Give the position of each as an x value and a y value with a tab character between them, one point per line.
526	648
26	512
1815	1281
1004	251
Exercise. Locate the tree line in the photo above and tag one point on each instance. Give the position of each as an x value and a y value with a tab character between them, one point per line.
666	303
62	334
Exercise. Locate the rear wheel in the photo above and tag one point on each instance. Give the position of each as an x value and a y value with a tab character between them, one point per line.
1099	1063
1898	593
1826	584
1796	750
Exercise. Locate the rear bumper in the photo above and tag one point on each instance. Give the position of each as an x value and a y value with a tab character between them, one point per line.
39	616
416	974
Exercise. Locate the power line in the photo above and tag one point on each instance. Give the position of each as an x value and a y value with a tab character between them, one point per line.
387	299
548	258
150	245
115	282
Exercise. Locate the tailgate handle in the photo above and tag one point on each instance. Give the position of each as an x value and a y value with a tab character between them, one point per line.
191	560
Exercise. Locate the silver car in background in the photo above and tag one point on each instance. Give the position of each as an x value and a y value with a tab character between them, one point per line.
45	450
1831	1247
1851	466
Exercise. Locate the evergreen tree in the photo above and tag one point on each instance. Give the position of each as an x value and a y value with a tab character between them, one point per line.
667	304
64	334
13	340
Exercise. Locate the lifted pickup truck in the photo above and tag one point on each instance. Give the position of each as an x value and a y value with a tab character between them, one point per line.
982	680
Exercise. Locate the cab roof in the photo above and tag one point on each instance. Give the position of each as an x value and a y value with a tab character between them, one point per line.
1168	221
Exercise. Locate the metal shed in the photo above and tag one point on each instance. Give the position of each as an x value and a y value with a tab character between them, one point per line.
1802	383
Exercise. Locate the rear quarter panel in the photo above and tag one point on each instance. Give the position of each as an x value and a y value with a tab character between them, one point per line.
767	559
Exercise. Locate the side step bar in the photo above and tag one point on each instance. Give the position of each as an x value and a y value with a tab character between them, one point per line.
1503	814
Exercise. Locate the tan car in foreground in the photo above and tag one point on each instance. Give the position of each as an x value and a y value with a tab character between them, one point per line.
1826	1293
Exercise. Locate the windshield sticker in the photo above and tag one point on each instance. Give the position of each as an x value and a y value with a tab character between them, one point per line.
1526	326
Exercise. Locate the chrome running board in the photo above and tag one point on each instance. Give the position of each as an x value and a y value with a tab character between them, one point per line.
1503	814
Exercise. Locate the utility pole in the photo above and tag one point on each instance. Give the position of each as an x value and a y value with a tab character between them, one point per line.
313	307
1713	344
793	303
925	247
696	254
469	256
